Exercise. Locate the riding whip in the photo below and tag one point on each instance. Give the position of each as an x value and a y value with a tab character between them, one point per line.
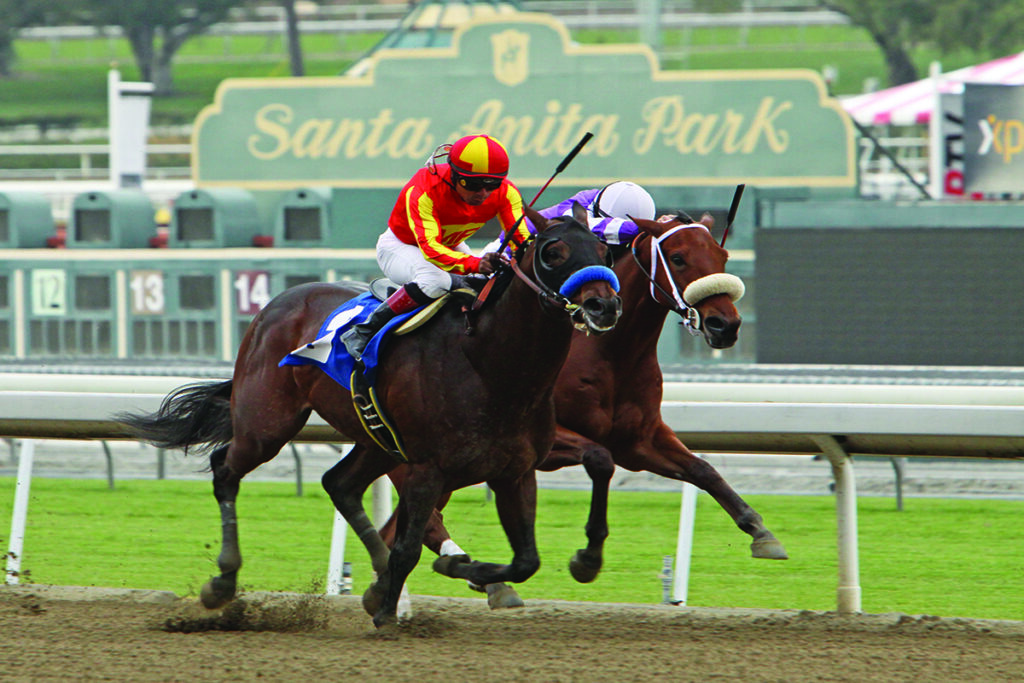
561	167
732	212
515	226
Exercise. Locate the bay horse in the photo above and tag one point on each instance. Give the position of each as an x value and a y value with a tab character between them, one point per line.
470	408
608	394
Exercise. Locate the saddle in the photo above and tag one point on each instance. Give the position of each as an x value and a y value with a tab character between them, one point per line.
465	289
364	398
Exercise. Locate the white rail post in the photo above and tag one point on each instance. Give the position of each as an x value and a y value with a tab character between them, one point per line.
684	544
381	501
336	561
20	512
848	592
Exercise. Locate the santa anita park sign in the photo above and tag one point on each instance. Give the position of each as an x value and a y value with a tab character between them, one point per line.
522	80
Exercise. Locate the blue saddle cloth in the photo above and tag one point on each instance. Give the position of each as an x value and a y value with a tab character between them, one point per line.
327	350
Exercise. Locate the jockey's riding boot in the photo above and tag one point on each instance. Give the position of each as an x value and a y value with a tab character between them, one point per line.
406	299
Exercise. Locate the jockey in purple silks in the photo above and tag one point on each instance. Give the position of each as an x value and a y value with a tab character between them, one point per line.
609	210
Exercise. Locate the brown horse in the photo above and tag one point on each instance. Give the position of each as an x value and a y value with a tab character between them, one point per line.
608	394
470	408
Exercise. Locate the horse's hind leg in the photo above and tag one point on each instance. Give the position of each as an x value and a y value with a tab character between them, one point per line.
256	440
221	589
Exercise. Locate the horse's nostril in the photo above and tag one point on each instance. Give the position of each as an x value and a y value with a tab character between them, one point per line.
600	307
715	325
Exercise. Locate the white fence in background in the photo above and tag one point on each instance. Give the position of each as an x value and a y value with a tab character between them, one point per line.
837	421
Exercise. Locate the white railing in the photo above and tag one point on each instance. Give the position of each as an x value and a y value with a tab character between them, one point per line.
86	155
575	15
785	418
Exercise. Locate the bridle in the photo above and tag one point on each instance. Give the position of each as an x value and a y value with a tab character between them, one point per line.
559	299
716	283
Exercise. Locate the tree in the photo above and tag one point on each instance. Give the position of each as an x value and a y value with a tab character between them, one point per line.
294	45
156	30
16	14
992	27
896	26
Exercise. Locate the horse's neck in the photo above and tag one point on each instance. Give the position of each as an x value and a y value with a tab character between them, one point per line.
637	331
518	338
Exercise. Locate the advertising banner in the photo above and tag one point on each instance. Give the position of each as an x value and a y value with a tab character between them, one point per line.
994	139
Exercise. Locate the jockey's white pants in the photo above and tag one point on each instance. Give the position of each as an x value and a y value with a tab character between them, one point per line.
404	263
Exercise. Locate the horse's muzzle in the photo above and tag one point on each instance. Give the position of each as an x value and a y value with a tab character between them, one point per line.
600	314
721	333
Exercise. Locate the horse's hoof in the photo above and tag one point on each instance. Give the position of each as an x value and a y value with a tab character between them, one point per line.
768	548
385	621
502	596
372	599
217	592
446	564
584	568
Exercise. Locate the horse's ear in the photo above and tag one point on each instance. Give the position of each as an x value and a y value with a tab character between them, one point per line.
707	220
539	222
579	212
653	228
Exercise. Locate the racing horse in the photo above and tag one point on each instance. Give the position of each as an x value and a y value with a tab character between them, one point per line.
608	394
471	395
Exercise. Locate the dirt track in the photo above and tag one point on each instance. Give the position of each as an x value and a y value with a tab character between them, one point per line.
94	634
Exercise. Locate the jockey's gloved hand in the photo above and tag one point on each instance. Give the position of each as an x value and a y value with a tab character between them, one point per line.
489	263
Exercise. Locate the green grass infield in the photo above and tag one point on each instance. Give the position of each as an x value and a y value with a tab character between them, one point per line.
955	558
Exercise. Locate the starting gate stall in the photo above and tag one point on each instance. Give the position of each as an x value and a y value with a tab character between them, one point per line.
217	217
123	219
303	218
26	220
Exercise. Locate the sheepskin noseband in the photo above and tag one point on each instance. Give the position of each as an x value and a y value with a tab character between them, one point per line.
710	285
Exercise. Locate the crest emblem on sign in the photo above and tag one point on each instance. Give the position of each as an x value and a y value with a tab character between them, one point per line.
511	63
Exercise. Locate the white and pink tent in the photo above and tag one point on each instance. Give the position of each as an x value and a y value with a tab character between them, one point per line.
912	103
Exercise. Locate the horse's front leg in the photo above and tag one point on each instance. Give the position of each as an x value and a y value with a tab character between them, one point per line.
420	492
570	449
667	456
516	502
436	536
346	483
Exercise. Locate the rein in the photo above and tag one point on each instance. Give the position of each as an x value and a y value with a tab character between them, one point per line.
550	296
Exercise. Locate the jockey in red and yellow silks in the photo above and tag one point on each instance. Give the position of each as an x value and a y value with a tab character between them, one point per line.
429	213
437	210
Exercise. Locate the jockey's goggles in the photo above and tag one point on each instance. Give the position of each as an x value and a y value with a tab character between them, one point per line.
482	182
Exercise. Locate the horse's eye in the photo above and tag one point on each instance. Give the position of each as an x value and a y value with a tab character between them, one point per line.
609	258
677	260
554	254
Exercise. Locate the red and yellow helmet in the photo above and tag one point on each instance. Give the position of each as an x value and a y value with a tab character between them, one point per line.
478	156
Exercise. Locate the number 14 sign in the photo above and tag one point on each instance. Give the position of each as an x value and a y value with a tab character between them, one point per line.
252	291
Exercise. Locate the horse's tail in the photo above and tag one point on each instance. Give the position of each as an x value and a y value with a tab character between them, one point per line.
196	416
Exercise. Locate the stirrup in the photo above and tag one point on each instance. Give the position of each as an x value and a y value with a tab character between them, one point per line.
355	343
